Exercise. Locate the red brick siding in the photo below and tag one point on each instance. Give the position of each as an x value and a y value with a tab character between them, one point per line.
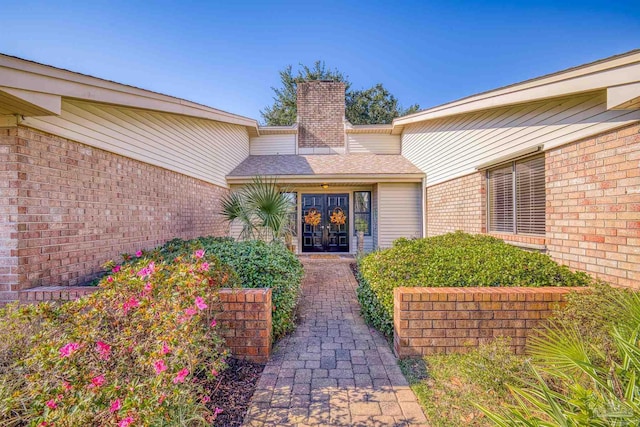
245	320
78	206
592	213
593	205
55	293
321	107
455	320
458	204
8	215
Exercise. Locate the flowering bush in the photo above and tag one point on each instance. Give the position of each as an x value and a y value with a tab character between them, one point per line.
257	265
136	353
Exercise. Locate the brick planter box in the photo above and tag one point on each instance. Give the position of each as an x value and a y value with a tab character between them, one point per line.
455	320
245	320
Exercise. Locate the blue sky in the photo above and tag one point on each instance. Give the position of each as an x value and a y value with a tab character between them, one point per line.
227	54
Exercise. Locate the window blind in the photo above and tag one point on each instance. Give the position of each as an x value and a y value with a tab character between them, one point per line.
501	200
530	196
516	198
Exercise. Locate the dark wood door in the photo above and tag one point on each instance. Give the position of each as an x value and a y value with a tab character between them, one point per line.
325	223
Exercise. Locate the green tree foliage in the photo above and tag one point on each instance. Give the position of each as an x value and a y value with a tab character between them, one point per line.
375	105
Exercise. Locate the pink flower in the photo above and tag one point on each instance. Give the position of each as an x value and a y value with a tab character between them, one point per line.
110	279
190	311
126	422
213	323
147	287
139	254
204	266
68	349
52	404
131	303
115	406
145	272
206	399
161	398
214	372
159	366
199	253
97	381
181	376
217	412
116	269
165	348
200	303
104	349
66	386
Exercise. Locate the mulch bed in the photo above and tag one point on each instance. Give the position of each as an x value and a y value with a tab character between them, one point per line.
232	391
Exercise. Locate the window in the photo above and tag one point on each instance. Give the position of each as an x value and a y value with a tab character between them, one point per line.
292	220
362	212
516	197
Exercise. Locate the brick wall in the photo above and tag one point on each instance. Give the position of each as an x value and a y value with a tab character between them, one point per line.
593	205
455	320
457	204
8	215
592	213
245	319
321	107
246	322
77	206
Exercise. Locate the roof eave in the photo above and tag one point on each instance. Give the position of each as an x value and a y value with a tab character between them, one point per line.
24	75
333	178
619	70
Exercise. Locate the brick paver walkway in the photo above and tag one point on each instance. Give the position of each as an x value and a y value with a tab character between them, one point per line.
334	370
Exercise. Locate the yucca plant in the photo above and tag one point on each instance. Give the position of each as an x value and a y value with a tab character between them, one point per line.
261	207
579	384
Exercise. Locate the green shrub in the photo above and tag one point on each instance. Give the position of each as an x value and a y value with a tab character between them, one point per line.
455	259
257	265
139	351
580	381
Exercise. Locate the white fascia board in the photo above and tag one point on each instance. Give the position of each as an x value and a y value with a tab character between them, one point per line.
19	74
623	97
329	179
534	91
50	105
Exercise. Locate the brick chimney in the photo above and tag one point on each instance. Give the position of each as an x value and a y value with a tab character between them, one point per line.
321	108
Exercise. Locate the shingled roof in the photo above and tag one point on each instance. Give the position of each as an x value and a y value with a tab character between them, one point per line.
325	165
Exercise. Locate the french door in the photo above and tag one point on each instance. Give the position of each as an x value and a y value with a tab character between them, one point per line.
325	222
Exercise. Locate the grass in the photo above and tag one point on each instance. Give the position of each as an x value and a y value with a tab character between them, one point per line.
447	386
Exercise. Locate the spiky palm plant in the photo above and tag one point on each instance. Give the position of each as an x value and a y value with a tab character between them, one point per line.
260	207
576	388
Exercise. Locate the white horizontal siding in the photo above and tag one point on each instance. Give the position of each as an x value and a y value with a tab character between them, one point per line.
368	244
455	146
273	144
362	143
399	213
200	148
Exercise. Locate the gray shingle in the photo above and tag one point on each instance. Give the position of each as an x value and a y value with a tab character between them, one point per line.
329	164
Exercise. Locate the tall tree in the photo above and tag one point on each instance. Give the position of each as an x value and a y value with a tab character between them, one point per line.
375	105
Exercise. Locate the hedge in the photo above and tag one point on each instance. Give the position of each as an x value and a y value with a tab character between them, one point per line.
256	264
451	260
